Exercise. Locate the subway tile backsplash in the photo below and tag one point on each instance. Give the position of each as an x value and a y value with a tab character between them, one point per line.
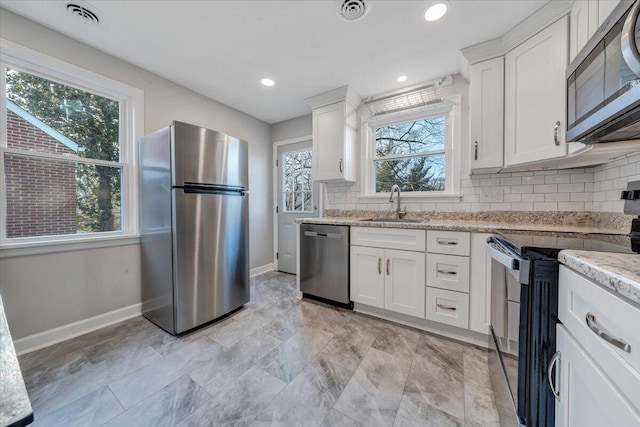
590	189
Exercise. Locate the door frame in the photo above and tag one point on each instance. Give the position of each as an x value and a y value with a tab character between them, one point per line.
274	182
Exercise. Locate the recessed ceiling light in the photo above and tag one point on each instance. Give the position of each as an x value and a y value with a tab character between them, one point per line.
402	79
436	11
267	82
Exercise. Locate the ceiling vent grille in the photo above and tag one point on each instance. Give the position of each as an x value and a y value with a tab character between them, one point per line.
352	10
83	12
421	96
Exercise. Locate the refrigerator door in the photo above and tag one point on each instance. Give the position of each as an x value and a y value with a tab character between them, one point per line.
211	255
203	156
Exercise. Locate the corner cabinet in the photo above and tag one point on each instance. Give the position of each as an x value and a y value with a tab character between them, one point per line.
486	104
334	126
535	96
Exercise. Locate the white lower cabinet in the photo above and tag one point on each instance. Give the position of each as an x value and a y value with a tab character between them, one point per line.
404	288
389	279
448	307
587	398
367	280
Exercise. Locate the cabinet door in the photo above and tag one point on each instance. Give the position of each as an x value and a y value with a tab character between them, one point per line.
587	397
605	7
404	282
535	97
480	285
487	114
329	142
367	276
580	27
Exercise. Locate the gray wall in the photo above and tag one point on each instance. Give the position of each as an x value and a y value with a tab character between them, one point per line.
292	128
29	284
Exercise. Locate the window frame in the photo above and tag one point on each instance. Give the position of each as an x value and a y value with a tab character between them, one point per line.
131	101
450	107
284	153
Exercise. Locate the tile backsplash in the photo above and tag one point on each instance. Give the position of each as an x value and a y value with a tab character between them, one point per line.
589	189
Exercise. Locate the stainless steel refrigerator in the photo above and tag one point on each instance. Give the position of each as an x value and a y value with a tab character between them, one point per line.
194	210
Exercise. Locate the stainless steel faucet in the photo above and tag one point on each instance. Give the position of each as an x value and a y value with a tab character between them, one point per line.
394	188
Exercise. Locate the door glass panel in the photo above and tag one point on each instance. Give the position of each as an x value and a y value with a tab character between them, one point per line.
296	181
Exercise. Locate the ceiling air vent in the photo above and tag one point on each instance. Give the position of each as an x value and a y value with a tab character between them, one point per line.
352	10
83	12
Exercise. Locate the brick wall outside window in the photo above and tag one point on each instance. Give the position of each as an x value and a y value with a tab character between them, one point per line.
41	193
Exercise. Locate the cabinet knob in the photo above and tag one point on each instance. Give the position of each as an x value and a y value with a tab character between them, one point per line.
555	133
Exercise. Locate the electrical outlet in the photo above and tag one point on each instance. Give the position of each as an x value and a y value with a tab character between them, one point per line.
491	195
631	202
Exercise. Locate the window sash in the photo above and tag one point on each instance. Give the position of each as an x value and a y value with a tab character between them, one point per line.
410	155
131	128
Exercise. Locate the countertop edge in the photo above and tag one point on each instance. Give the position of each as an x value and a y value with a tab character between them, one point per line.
612	271
453	225
17	409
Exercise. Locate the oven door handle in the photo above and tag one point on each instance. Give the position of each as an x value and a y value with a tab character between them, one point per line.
512	262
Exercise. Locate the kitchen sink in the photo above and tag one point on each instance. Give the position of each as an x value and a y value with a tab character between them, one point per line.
406	221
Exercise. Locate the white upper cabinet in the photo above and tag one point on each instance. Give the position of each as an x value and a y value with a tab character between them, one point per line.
486	103
582	26
334	135
605	7
586	18
535	97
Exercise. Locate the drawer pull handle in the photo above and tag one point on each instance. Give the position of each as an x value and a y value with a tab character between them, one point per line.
552	362
447	242
379	265
388	260
446	307
606	335
453	273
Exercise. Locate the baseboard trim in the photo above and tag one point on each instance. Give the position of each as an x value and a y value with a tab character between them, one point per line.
261	270
464	335
62	333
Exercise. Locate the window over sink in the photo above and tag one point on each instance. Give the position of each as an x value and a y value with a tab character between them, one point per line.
414	149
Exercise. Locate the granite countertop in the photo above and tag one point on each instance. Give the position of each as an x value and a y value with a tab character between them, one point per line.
15	406
619	273
459	225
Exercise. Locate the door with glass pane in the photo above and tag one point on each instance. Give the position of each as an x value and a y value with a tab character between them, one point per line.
297	198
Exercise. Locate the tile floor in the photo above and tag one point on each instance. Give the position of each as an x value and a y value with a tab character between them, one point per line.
277	362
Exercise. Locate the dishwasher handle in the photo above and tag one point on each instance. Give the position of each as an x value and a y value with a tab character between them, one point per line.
326	235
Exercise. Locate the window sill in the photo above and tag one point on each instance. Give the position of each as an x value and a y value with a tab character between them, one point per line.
13	250
448	197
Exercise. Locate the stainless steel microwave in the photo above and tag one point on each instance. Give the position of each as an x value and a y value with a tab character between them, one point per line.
603	81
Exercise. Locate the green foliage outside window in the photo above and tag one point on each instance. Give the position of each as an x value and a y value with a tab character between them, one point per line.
91	121
415	155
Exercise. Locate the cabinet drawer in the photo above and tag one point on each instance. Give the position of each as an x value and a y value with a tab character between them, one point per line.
448	307
388	238
448	242
581	298
449	272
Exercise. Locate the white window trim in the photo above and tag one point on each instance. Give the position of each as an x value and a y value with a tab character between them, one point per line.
450	106
132	118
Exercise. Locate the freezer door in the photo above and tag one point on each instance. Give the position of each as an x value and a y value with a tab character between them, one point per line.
203	156
211	255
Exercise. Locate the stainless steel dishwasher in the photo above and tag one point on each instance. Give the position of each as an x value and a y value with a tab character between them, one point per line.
324	263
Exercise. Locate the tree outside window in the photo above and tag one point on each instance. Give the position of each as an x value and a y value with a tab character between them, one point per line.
92	123
412	155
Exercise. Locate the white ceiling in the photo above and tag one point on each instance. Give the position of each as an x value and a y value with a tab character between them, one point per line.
223	48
